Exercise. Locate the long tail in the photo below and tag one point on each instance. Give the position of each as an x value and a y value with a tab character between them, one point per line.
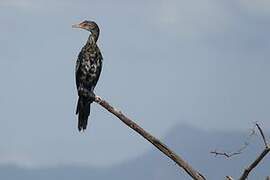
83	109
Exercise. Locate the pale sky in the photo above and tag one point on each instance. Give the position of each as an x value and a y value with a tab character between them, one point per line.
203	63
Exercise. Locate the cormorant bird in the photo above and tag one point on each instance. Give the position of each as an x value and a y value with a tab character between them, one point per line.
88	69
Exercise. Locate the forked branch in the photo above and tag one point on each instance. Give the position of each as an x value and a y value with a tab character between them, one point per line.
259	158
173	156
256	161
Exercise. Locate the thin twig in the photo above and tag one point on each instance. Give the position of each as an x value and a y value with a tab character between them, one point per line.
227	155
156	142
262	134
239	151
256	161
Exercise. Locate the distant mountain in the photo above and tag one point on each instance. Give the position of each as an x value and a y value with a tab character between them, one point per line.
191	143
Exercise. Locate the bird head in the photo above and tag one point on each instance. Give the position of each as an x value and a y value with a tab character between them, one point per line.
87	25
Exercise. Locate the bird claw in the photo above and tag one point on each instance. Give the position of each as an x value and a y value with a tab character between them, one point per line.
90	95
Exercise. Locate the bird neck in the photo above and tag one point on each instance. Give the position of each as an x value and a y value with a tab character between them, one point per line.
93	37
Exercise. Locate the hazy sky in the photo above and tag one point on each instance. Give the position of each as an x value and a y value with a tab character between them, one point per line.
204	63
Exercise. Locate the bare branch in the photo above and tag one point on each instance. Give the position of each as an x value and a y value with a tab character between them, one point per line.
228	178
156	142
256	161
259	158
262	134
239	151
254	164
227	155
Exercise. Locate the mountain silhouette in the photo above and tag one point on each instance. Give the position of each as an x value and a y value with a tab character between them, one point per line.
192	144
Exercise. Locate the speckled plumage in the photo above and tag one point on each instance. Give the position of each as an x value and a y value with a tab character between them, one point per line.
88	69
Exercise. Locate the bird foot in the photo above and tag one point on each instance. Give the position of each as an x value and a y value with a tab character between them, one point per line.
90	95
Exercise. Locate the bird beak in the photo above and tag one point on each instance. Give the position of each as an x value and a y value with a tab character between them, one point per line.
76	26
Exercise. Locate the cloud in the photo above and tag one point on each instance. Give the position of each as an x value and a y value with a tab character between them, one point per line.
16	158
199	19
210	76
38	5
191	18
18	3
258	7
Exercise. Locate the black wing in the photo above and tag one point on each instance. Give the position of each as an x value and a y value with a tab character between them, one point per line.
88	68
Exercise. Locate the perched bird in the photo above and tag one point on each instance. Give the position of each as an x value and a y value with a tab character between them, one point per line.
88	69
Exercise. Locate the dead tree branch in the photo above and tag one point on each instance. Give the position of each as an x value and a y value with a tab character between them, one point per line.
254	164
262	134
228	178
256	161
227	155
177	159
156	142
259	158
239	151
